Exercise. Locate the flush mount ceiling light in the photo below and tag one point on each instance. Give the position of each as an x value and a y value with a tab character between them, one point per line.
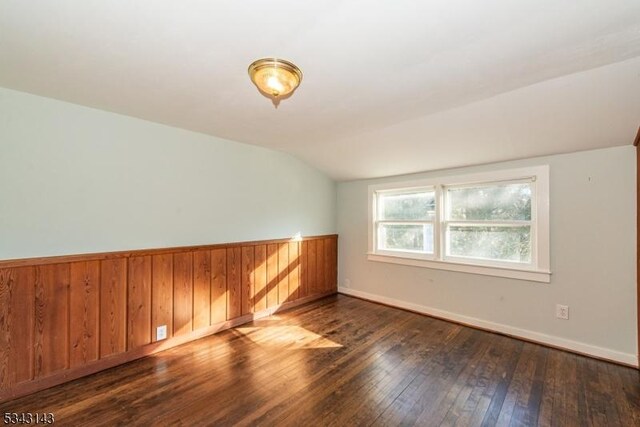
275	78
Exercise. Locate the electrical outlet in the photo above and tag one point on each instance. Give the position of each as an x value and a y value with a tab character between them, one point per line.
161	333
562	311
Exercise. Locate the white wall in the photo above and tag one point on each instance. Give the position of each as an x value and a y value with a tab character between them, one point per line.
78	180
593	261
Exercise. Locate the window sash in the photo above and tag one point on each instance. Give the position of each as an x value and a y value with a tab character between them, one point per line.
447	222
401	192
406	190
446	256
379	249
405	222
487	223
491	183
446	200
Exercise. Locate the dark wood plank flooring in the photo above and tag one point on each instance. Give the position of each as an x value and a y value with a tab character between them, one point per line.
342	361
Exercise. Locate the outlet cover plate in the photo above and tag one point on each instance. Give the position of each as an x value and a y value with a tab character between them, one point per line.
161	333
562	311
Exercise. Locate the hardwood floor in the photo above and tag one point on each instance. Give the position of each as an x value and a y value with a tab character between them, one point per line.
342	361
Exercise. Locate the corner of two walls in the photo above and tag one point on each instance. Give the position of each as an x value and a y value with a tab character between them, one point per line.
593	262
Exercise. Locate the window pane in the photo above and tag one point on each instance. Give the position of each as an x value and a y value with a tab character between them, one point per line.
415	238
407	206
491	243
495	202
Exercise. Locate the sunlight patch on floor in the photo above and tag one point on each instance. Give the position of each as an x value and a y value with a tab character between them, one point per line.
286	337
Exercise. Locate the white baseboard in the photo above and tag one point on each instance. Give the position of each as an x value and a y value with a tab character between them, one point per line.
575	346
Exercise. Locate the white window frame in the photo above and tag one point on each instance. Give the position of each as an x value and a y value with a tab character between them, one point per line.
397	252
537	270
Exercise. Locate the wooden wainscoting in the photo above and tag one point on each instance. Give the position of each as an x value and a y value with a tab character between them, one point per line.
65	317
636	142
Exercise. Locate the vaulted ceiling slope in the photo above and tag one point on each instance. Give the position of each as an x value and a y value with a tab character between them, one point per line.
389	87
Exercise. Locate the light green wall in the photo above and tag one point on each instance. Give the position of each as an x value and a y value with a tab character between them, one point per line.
78	180
593	259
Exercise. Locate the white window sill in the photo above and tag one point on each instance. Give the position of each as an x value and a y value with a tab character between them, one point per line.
512	273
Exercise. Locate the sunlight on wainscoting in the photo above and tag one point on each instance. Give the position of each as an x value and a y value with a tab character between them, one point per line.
285	337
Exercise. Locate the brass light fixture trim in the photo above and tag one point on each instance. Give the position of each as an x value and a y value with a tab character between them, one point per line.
275	77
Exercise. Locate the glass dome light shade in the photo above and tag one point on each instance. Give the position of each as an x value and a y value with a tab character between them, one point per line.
275	77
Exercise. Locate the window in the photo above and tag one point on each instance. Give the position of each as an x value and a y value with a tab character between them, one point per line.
489	222
405	221
493	223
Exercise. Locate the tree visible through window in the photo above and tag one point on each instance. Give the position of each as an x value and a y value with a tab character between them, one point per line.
490	222
405	221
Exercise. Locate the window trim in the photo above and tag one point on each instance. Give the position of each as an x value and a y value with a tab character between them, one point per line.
539	268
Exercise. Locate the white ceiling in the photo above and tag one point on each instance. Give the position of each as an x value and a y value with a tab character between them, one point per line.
389	87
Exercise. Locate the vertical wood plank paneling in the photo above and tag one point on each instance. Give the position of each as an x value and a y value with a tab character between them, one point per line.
139	302
637	144
260	278
182	293
113	306
162	294
311	262
328	281
218	285
51	319
334	265
17	309
272	275
320	279
84	311
304	268
247	282
201	289
234	295
294	270
283	273
55	319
